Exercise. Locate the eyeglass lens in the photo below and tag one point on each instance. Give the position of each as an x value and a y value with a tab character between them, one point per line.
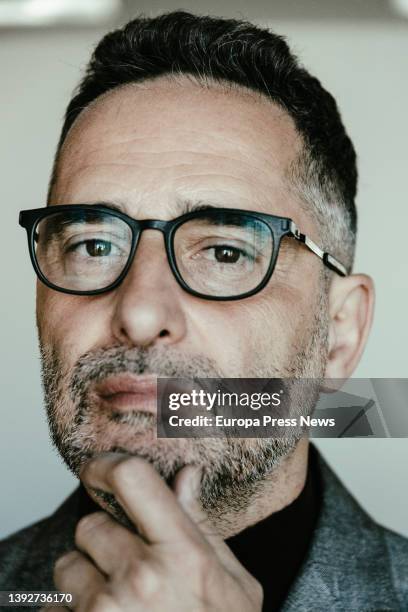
82	250
225	255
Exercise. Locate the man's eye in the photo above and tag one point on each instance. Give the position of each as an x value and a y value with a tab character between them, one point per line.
227	254
93	248
98	248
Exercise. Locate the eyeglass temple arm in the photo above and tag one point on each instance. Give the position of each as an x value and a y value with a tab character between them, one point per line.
330	261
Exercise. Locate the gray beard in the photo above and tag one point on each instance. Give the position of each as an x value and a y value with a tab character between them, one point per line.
233	469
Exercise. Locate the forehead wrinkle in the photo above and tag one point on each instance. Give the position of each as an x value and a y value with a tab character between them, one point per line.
83	158
166	145
140	164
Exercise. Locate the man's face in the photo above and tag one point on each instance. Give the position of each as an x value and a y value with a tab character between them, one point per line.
151	150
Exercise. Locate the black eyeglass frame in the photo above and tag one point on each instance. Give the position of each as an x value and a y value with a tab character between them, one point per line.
278	226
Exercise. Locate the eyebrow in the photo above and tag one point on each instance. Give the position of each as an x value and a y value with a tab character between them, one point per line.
187	206
182	207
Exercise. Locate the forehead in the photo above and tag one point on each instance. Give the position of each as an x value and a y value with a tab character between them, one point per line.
164	139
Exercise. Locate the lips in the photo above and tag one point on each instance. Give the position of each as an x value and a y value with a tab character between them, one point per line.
128	392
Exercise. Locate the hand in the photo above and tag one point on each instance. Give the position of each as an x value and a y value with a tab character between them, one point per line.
175	562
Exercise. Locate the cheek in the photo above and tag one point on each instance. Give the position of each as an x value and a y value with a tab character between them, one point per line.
254	333
72	325
268	336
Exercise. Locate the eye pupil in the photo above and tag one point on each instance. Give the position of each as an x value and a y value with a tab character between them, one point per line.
226	254
98	248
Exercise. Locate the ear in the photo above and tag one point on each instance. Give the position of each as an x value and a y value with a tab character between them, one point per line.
351	306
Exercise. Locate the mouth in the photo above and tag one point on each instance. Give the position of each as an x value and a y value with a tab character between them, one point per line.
128	393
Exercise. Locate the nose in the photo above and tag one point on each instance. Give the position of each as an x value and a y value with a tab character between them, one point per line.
148	304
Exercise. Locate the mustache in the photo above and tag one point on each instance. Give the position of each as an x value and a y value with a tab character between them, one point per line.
94	366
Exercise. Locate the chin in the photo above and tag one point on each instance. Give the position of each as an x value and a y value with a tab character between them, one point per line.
166	455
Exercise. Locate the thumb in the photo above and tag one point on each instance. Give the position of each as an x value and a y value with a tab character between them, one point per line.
187	487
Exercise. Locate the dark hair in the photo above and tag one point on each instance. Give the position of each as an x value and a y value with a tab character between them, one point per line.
237	52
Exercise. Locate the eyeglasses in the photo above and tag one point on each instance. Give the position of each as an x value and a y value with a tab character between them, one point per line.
214	253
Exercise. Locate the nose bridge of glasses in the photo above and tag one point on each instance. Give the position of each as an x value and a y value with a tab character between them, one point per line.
146	254
151	224
154	224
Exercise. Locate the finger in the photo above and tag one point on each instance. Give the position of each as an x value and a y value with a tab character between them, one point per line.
75	574
110	545
144	496
187	486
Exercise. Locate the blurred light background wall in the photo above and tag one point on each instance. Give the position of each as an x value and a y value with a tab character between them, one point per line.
359	50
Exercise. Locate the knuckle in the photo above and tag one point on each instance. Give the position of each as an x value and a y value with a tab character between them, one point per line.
67	559
63	563
143	580
88	523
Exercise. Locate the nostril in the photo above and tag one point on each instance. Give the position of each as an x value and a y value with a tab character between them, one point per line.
163	333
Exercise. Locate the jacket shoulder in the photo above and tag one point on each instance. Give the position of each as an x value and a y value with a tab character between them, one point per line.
27	556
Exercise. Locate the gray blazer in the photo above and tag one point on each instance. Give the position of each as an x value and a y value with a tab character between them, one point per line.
353	564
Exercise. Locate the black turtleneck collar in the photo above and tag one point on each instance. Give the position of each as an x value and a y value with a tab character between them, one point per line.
273	549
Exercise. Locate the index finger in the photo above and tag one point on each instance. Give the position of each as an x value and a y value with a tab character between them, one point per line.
144	496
